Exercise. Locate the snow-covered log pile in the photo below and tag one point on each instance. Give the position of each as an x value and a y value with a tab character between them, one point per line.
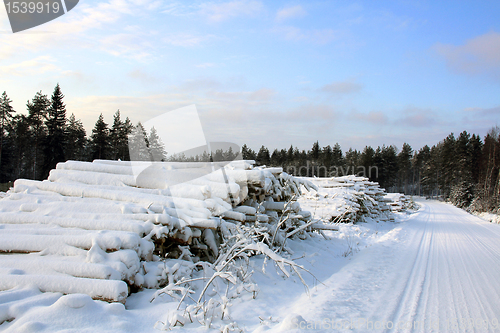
347	199
400	202
102	228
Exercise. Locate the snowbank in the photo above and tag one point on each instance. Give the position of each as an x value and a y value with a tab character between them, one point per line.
494	218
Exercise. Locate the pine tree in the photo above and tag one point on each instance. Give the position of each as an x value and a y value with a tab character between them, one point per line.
99	140
76	136
38	109
56	139
6	111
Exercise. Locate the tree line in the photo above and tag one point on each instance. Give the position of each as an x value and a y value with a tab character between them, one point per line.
463	169
31	145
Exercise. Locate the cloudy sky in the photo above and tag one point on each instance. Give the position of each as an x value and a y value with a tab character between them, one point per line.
271	73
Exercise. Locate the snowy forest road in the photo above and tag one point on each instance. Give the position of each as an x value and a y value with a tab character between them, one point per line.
438	271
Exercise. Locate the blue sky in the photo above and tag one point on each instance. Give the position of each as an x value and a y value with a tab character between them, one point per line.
271	73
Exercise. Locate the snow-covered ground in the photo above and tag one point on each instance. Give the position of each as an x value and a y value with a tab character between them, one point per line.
39	312
434	270
494	218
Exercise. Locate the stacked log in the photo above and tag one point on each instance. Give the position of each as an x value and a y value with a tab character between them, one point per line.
399	202
347	199
112	222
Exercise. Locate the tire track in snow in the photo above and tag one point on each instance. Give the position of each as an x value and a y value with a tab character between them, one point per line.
454	277
442	265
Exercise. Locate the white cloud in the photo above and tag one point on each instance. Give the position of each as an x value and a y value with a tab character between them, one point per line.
419	117
495	111
342	87
372	117
227	10
36	66
73	29
290	12
479	55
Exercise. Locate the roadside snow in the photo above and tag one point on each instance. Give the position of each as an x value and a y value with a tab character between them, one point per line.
325	259
490	217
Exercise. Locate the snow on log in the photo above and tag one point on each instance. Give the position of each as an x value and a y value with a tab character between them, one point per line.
36	264
107	220
347	199
25	243
106	290
87	224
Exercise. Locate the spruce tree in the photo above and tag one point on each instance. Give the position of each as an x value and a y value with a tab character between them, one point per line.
76	137
448	165
247	153
337	156
366	160
56	139
139	144
120	130
404	167
22	142
37	108
6	111
389	168
156	147
99	140
229	154
289	156
327	156
351	161
315	151
263	156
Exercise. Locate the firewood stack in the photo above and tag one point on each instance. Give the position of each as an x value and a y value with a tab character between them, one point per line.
101	228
